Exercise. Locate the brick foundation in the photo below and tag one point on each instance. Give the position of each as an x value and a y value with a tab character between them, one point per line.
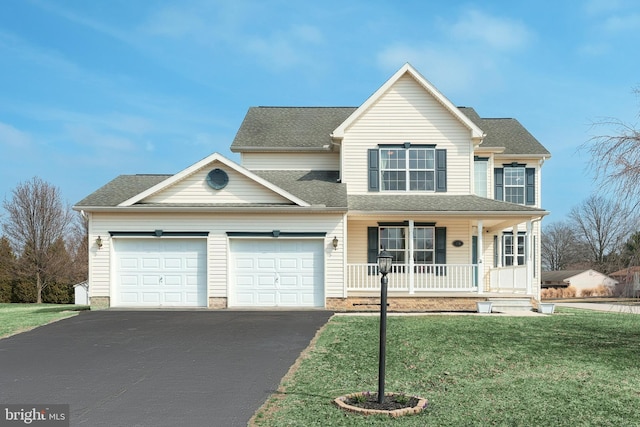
400	304
99	303
217	302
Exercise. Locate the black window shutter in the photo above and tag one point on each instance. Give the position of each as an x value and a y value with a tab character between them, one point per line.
372	245
530	189
498	181
374	170
495	251
441	171
441	245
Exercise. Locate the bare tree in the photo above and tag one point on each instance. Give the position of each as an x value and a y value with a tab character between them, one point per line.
78	244
615	157
560	248
36	220
602	226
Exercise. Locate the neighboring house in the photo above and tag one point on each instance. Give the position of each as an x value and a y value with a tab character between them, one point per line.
455	198
580	279
629	279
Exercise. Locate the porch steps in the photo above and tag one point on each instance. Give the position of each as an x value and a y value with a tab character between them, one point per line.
510	304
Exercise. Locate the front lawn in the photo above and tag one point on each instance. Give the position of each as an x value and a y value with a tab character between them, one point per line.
16	318
573	368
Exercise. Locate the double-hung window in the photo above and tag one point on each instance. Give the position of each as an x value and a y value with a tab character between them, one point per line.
395	241
407	169
514	185
513	249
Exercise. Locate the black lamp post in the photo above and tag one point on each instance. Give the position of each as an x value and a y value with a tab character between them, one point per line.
384	266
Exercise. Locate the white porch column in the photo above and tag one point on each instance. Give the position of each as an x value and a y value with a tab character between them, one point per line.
411	263
529	255
480	272
514	250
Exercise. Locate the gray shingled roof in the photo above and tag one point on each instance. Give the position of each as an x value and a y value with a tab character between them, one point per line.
560	275
434	203
120	189
508	133
289	127
309	128
315	187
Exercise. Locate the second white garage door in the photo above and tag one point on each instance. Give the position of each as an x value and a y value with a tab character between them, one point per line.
277	273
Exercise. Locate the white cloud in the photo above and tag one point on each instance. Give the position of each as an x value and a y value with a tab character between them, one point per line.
494	32
286	49
618	23
472	49
448	70
11	136
88	136
597	7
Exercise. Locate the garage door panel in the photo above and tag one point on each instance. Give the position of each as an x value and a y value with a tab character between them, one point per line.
266	299
281	273
161	272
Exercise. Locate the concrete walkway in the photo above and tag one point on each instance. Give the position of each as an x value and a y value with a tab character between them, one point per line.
614	308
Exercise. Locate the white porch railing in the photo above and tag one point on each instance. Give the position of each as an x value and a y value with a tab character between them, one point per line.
508	279
416	278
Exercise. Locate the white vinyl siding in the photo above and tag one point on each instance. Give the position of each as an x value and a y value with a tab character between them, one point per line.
291	161
217	225
194	189
407	113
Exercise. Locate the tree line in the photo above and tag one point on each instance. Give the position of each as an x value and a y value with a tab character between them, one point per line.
44	246
602	233
599	233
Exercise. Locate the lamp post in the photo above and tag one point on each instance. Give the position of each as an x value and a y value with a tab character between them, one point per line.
384	266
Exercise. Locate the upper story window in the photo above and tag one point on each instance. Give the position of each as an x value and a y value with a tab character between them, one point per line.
515	183
480	168
407	167
410	169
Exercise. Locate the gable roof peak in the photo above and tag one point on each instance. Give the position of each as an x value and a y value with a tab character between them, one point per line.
407	69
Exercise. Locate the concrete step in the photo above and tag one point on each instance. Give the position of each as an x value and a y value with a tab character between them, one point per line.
510	304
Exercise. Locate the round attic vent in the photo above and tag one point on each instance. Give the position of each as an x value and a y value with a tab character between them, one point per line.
217	179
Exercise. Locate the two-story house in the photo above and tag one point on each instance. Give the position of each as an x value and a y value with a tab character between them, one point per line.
318	192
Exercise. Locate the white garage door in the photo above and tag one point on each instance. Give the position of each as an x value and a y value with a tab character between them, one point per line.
277	273
161	273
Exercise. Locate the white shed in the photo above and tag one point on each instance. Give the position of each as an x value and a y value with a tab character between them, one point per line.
81	293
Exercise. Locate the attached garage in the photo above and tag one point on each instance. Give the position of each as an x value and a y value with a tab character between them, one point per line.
160	272
277	272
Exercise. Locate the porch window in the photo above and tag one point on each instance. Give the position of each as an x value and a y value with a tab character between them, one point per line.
513	249
394	241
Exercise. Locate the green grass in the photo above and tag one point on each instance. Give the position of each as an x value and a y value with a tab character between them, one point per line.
16	318
573	368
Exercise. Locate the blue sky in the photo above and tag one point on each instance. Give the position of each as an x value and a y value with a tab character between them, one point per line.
93	89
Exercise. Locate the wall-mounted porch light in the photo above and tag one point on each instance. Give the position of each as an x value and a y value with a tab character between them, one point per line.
335	243
99	242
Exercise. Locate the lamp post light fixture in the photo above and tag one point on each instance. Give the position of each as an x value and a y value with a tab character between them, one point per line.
384	266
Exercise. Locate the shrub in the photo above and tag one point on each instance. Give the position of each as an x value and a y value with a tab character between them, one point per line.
569	292
58	293
24	292
587	292
5	292
604	291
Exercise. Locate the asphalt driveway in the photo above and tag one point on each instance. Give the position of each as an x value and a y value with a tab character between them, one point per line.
156	368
